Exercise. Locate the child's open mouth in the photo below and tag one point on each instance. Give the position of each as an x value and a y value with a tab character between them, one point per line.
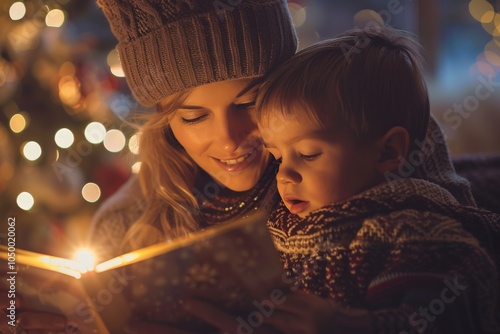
296	206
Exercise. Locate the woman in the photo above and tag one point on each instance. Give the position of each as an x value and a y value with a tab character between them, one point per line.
201	152
203	161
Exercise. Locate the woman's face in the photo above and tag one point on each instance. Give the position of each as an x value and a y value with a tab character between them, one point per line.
220	136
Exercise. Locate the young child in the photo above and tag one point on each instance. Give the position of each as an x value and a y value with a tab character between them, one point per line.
364	223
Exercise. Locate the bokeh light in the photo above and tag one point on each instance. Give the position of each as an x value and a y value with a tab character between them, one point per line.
69	90
91	192
95	132
55	18
25	201
485	68
492	52
367	18
64	138
114	141
31	150
29	33
136	167
17	123
298	14
488	17
479	9
133	143
17	11
86	258
115	64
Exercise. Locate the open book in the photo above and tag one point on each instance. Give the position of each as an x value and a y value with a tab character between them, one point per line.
233	266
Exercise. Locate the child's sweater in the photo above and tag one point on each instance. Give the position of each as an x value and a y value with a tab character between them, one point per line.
373	249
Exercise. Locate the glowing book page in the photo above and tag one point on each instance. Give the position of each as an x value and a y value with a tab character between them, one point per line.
232	266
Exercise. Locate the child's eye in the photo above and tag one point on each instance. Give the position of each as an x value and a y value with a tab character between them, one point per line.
309	157
193	120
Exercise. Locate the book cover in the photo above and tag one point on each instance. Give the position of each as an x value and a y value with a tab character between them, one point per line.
232	266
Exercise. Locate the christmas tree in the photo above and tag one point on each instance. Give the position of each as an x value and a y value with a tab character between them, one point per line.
63	144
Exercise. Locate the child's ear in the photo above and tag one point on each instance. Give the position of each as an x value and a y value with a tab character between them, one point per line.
393	148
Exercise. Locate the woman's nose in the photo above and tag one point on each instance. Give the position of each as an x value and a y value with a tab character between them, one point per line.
232	132
229	137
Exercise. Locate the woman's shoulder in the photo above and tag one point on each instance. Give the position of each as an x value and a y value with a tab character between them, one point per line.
128	200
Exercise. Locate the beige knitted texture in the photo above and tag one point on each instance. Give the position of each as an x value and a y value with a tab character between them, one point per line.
170	46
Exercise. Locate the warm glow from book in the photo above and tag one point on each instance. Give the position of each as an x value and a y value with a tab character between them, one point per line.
84	261
86	258
61	265
117	262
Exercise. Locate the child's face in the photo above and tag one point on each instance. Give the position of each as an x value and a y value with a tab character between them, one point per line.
318	167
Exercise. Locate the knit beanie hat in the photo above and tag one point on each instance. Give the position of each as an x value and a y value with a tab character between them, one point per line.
167	46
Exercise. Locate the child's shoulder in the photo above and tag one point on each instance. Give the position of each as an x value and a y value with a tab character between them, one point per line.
410	210
411	225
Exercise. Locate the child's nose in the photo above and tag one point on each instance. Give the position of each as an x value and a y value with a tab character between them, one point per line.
287	174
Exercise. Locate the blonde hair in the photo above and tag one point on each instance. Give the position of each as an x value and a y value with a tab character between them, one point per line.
367	81
167	178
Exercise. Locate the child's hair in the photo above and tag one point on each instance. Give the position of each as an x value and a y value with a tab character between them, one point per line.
367	81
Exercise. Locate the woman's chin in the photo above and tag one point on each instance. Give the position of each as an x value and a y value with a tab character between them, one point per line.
240	182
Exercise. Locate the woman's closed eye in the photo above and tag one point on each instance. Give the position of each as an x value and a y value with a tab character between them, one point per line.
193	120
